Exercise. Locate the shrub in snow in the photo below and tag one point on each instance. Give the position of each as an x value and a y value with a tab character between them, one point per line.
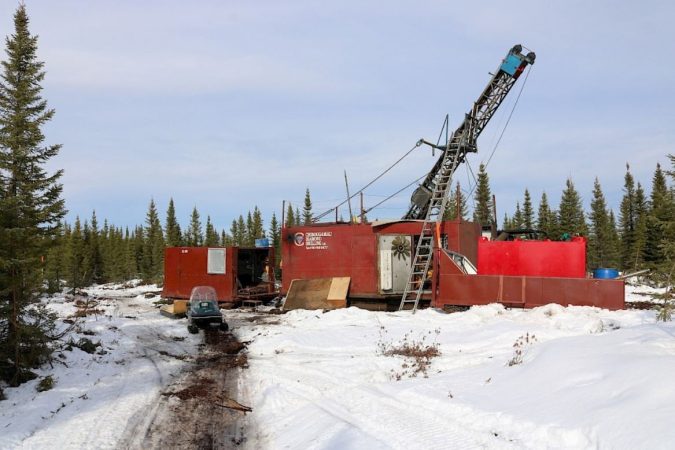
665	310
520	348
45	384
84	344
417	353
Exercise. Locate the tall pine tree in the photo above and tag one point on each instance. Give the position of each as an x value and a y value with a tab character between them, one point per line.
483	199
546	219
571	218
669	235
307	209
77	270
528	212
601	239
153	248
211	239
93	257
257	228
30	206
275	238
456	203
173	234
290	216
194	237
659	215
242	236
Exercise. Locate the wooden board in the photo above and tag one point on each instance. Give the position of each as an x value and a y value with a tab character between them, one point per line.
175	311
317	293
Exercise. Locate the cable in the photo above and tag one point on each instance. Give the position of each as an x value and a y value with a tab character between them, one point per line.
394	194
501	135
522	86
320	216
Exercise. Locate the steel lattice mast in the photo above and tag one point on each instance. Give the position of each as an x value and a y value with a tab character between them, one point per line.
429	200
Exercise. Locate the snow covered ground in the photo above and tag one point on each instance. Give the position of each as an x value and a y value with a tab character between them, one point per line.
102	398
589	378
585	378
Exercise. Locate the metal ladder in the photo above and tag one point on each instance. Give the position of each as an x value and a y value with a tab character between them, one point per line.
437	204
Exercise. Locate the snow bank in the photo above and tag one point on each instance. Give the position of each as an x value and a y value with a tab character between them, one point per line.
590	378
99	397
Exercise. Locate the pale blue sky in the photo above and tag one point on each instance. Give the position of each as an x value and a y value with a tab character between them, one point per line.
230	104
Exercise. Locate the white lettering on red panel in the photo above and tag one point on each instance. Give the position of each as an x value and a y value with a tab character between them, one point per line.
315	240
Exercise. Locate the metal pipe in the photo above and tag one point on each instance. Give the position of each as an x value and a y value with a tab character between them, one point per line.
631	275
349	199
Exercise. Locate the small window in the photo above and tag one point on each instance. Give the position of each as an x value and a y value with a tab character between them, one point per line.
216	261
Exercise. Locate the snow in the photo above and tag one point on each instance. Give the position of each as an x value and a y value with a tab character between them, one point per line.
591	378
100	397
588	378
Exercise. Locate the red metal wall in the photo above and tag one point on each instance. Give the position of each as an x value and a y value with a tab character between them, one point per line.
185	268
350	250
533	258
454	288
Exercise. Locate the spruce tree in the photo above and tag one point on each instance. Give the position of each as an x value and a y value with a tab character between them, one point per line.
456	198
571	218
93	258
517	222
528	211
226	239
615	242
193	235
640	233
106	245
76	257
290	216
258	228
139	250
55	266
130	267
668	242
116	265
544	216
506	224
153	248
658	217
627	221
86	239
211	239
242	236
307	209
601	239
275	237
173	233
483	199
249	235
234	231
30	205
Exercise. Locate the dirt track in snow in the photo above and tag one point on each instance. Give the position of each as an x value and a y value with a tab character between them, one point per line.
200	409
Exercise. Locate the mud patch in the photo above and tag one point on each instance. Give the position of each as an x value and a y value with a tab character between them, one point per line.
201	410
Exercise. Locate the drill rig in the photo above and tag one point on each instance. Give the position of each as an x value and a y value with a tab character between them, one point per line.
429	200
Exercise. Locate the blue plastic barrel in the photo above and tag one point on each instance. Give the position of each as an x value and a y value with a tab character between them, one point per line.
264	242
605	274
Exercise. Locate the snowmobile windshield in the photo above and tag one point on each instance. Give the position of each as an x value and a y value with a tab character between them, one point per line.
203	293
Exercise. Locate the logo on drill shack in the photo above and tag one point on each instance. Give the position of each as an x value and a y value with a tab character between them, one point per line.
312	240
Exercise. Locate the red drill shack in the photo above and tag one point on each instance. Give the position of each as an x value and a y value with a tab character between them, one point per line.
237	273
377	257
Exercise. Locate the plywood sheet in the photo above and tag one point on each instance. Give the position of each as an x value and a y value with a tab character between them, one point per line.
318	293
